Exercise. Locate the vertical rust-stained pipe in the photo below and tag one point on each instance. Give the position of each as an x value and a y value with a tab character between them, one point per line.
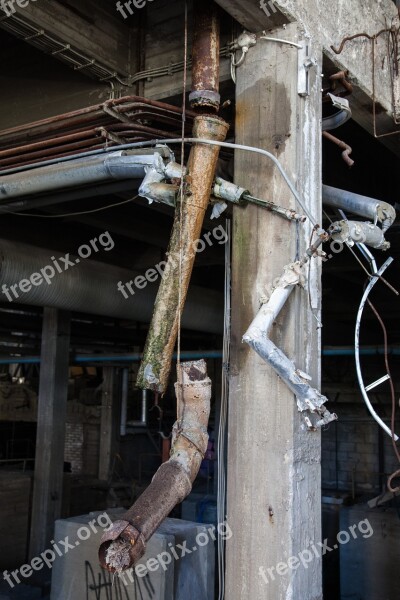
205	55
125	543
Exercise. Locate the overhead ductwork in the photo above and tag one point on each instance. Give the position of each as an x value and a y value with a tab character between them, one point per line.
92	287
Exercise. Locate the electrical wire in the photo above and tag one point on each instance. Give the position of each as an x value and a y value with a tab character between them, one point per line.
221	447
73	214
182	186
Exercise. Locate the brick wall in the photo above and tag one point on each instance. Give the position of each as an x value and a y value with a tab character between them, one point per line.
91	446
73	452
355	451
15	499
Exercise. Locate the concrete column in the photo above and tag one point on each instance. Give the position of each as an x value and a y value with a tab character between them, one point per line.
274	503
50	438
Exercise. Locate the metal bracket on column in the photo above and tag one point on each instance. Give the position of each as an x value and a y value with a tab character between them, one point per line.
306	63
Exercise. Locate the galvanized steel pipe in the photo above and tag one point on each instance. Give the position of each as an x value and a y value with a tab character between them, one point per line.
116	165
363	206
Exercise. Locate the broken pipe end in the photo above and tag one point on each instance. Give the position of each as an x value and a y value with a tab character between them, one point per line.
117	557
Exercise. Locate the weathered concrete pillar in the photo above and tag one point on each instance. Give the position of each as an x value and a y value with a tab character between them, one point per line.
273	462
50	438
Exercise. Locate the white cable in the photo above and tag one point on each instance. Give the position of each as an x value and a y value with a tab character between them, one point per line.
288	42
247	149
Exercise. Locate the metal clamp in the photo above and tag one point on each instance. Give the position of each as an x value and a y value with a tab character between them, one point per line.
305	64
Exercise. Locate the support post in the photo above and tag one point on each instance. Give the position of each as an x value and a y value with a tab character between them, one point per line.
274	502
52	411
110	422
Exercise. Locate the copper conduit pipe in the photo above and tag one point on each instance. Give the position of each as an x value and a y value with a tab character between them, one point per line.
87	115
341	78
347	150
140	131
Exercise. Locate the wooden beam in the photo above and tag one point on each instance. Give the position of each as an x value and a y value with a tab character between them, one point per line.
52	410
274	501
87	28
110	420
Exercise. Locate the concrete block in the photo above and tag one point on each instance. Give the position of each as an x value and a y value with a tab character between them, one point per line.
78	575
195	571
369	565
189	574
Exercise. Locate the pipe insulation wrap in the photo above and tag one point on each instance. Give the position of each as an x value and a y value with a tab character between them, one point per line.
257	337
91	287
74	173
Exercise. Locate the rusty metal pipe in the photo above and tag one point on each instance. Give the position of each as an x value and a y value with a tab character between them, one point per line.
205	55
125	543
157	357
91	116
347	150
341	77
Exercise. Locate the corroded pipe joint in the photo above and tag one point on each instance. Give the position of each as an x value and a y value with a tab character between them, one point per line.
205	58
128	536
125	543
210	127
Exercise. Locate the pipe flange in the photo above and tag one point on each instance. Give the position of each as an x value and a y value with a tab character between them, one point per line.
205	99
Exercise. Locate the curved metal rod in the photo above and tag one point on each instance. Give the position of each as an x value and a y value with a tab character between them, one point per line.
249	149
357	348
